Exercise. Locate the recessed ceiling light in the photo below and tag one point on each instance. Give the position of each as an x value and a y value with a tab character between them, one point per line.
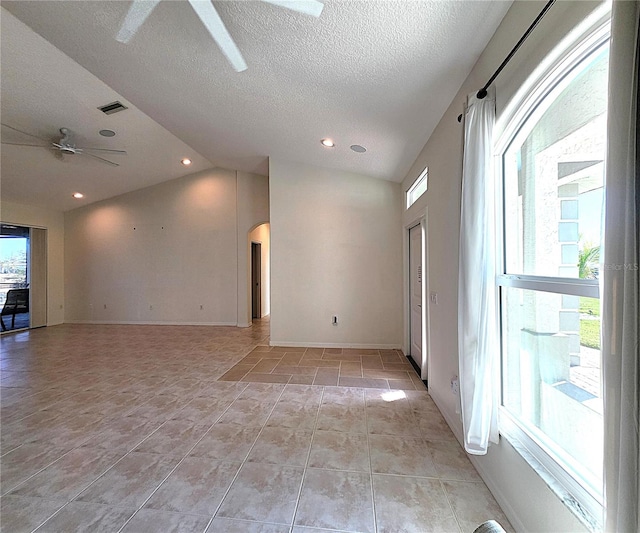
358	148
78	195
107	133
327	143
186	161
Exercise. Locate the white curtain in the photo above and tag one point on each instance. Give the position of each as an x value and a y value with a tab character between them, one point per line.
620	278
477	288
38	277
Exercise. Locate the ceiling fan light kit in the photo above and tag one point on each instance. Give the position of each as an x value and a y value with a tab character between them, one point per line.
141	9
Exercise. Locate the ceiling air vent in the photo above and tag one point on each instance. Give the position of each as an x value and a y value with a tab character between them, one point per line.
112	108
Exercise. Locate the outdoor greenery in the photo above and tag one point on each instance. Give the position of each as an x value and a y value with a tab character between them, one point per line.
590	327
590	306
588	258
590	333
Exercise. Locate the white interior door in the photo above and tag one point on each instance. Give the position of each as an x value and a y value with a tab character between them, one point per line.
415	292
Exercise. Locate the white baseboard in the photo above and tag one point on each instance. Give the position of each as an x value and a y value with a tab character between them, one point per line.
454	425
301	344
149	323
500	497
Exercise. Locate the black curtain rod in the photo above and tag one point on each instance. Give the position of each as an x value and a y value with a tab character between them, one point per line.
482	93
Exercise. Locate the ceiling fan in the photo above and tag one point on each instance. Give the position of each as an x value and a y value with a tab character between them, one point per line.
141	9
66	145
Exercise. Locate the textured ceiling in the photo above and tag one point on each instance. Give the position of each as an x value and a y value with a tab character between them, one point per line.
44	90
369	72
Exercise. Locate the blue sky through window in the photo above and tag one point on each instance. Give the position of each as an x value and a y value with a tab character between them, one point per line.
11	247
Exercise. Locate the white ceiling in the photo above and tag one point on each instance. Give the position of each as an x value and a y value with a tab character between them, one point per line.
372	72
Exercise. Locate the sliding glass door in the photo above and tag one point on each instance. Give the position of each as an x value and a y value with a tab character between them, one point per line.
23	281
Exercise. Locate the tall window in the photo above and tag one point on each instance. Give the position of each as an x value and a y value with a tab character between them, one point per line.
549	295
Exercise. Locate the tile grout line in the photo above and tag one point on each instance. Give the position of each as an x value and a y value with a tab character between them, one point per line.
386	380
177	464
244	461
39	410
439	478
182	388
85	487
99	476
373	497
306	464
453	513
12	450
8	492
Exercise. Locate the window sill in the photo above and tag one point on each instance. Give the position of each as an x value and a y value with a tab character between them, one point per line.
591	517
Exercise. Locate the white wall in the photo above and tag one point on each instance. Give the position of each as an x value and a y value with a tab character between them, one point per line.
167	254
262	235
335	250
53	221
253	210
526	499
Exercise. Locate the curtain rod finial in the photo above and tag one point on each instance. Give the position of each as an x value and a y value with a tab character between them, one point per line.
482	94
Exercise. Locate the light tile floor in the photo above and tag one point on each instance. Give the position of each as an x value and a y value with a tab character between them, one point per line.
164	428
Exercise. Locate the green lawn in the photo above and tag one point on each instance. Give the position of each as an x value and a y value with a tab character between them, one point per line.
590	304
590	333
590	329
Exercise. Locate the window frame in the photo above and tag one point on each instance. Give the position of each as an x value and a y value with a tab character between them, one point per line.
422	178
585	500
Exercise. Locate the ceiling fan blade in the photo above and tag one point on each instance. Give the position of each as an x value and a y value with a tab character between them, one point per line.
137	14
24	132
212	21
100	158
308	7
84	149
23	144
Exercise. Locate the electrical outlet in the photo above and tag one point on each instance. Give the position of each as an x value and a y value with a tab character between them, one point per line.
455	385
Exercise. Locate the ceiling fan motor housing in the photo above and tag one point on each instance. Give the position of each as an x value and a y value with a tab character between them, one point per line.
66	145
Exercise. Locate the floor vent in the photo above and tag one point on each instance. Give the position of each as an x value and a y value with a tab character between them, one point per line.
112	108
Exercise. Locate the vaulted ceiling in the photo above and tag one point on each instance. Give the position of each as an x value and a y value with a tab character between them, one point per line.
375	73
